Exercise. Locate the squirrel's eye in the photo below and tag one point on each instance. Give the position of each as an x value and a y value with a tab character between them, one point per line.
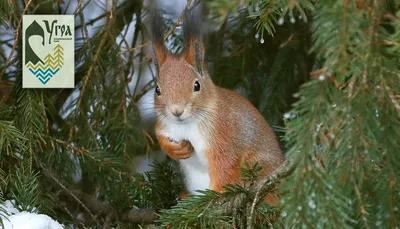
196	86
158	91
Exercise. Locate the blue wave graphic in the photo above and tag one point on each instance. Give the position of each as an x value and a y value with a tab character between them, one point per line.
44	76
44	72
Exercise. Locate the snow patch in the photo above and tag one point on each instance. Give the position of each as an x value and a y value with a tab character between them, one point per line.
26	220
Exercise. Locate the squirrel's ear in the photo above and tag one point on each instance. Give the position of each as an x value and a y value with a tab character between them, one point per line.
193	32
194	54
160	55
157	36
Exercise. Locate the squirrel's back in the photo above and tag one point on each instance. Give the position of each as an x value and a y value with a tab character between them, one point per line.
254	137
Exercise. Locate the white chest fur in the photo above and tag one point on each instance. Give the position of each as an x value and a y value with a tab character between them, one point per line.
194	168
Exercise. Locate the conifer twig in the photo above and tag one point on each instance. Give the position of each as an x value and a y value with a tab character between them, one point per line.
85	152
91	69
260	189
16	40
93	205
362	208
395	99
132	216
268	184
48	174
271	180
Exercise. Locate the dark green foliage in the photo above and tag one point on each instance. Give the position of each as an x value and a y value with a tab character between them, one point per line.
268	68
251	173
196	211
158	188
3	183
46	138
25	189
270	12
10	139
210	209
345	133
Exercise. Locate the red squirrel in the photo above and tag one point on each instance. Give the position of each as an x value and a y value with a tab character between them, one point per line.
212	131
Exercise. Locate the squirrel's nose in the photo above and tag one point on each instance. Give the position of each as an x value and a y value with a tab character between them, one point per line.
177	110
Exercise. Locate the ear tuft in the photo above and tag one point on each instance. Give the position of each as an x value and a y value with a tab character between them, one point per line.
193	29
157	27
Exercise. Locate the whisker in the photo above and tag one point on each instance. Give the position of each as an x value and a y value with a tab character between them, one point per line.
146	101
156	106
149	108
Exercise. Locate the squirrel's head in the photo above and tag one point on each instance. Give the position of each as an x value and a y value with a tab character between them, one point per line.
184	88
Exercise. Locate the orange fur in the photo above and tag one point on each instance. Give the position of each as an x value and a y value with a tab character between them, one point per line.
190	53
228	151
231	130
160	54
184	195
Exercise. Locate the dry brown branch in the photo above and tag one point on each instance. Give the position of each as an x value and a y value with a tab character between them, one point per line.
100	208
78	7
48	174
139	216
390	43
95	207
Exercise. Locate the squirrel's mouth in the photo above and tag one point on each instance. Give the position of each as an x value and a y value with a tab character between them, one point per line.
181	119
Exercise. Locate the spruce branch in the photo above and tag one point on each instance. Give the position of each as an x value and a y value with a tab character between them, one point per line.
92	21
395	99
86	49
31	120
363	211
16	40
213	208
92	67
94	206
10	139
25	188
271	12
86	152
371	56
48	174
260	189
267	185
85	32
138	30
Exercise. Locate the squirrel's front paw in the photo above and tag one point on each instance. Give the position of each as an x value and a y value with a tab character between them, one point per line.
176	150
180	150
